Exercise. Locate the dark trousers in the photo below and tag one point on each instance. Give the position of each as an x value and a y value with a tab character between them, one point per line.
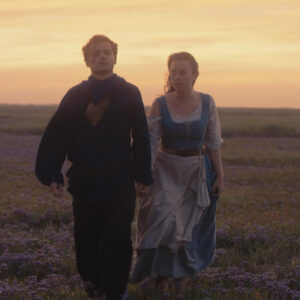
103	245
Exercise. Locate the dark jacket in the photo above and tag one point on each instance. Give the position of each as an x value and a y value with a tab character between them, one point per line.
119	141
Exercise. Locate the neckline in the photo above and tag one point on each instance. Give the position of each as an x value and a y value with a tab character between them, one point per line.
196	108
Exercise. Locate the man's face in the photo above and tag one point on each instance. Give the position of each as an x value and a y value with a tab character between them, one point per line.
100	58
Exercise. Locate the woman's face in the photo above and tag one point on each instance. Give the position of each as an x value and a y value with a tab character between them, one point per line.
182	76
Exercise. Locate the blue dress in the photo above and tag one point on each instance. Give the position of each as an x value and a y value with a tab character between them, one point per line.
195	254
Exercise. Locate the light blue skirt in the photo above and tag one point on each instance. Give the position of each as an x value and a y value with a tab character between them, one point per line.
189	259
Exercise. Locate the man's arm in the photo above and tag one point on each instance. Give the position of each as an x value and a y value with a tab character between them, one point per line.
53	147
140	141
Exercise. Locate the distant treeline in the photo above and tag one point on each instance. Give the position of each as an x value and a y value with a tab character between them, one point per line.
32	119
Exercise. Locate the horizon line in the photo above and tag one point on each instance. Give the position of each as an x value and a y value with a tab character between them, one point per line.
222	107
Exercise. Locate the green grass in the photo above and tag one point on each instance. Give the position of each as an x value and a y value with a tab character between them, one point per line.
257	216
31	119
260	122
25	119
262	152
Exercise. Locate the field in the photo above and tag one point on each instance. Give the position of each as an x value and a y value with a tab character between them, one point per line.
258	216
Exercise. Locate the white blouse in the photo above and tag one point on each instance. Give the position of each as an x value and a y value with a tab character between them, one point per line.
212	139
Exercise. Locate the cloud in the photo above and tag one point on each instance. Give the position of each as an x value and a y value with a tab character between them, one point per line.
89	8
175	40
236	36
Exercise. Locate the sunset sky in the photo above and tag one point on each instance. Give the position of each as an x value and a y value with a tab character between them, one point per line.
248	50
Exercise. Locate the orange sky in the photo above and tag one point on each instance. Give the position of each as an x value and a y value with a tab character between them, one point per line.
248	51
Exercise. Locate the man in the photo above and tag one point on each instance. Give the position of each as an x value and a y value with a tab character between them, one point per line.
100	126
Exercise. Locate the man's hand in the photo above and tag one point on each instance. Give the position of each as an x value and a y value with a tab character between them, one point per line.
142	189
57	189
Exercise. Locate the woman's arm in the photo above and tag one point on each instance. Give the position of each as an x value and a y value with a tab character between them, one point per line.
213	142
154	124
216	159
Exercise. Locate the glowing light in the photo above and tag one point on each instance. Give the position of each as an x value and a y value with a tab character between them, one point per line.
245	46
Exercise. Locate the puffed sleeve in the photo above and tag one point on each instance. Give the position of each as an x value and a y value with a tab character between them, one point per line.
154	125
53	146
213	139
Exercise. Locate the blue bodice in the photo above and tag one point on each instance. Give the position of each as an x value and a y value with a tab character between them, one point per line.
185	135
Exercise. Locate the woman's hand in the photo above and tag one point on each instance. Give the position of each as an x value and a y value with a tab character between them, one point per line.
218	186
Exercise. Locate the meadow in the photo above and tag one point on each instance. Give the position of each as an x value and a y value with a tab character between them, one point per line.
258	215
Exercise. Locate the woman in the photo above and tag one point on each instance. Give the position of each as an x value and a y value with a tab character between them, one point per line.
176	220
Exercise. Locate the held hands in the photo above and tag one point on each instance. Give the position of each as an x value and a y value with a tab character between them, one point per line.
218	186
57	189
142	190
